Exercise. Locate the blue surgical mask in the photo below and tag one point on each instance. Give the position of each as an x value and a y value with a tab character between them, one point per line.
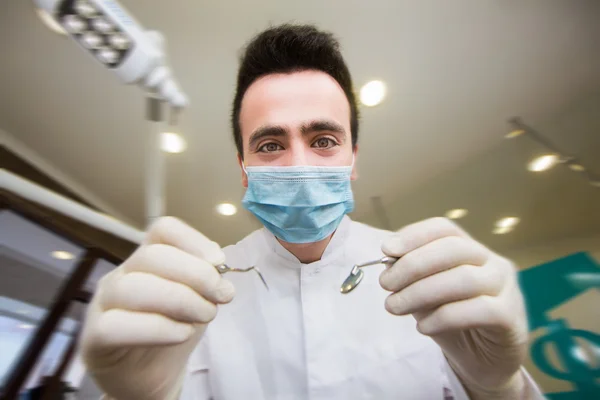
299	204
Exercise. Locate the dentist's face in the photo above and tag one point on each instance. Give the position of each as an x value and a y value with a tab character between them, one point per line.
300	118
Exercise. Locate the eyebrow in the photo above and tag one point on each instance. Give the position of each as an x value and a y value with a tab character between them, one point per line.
267	131
321	126
306	128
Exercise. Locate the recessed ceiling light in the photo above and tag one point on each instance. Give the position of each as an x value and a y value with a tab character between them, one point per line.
372	93
543	163
508	222
514	134
62	255
226	209
50	22
457	213
25	326
577	167
499	230
172	142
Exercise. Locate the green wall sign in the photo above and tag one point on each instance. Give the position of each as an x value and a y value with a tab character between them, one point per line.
546	287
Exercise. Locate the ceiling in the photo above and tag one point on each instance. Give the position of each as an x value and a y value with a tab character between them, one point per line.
455	71
553	205
27	292
30	274
29	244
30	240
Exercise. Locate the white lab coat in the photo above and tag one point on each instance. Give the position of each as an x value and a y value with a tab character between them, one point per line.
303	339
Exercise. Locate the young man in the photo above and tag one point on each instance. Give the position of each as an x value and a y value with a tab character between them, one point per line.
447	319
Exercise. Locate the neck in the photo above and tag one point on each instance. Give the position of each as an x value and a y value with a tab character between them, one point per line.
307	253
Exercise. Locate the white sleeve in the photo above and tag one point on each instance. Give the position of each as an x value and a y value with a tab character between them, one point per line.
533	390
454	390
196	383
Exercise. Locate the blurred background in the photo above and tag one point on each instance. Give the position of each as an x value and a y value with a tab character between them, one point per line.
438	143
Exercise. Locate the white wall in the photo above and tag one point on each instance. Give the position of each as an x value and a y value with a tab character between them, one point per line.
536	255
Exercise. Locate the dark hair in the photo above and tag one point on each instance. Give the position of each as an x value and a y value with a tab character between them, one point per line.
291	48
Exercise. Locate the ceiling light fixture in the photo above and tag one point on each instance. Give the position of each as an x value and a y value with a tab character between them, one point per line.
50	22
543	163
502	230
84	8
91	40
91	26
136	56
508	222
457	213
172	143
372	93
118	41
514	133
73	24
25	326
227	209
62	255
102	25
577	167
554	156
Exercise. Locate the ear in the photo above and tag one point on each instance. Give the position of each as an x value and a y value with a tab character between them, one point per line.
354	175
244	176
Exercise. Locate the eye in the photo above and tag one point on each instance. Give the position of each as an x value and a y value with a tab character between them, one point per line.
324	143
270	147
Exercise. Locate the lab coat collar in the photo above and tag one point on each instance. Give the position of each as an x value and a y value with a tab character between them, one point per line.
334	250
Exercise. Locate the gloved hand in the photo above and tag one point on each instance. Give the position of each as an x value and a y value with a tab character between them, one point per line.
148	314
466	298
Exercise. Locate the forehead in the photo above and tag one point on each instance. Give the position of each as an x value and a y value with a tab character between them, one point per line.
292	99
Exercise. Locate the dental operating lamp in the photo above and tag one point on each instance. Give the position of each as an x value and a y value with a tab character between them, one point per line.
109	34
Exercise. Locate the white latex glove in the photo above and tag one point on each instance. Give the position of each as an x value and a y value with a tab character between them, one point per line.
466	298
148	314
